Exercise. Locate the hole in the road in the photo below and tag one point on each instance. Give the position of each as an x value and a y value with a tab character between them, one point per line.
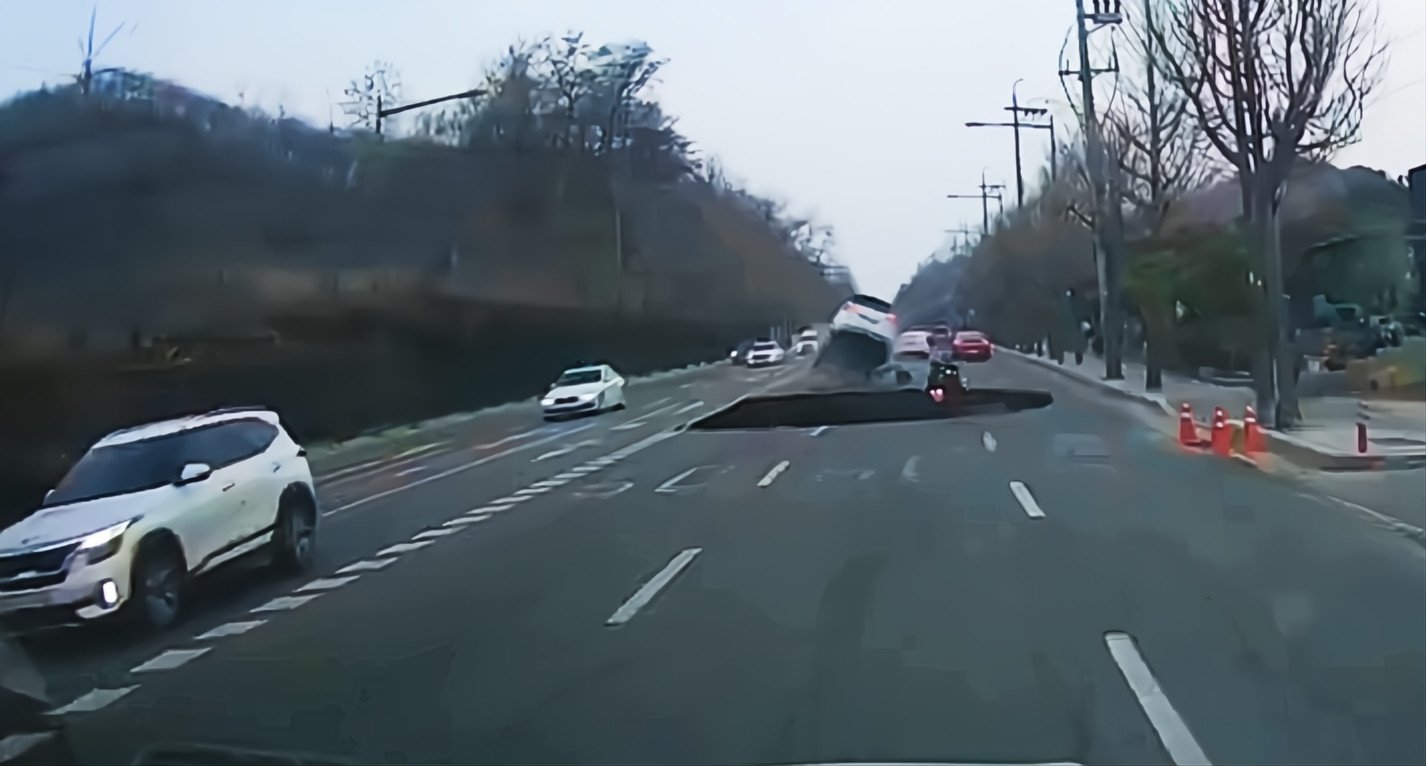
808	410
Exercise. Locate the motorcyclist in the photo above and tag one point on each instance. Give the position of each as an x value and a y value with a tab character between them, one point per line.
944	377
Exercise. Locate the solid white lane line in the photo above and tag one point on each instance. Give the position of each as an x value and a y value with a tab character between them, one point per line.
987	441
643	419
688	408
773	474
93	700
819	430
510	438
284	603
419	450
411	470
367	565
1182	748
402	548
340	472
431	534
229	629
644	595
453	471
631	425
169	660
1026	500
908	472
326	583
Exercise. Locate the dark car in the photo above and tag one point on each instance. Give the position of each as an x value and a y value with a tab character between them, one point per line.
740	351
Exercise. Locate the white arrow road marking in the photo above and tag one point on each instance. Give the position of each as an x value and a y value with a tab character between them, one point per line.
908	472
1026	500
644	595
773	474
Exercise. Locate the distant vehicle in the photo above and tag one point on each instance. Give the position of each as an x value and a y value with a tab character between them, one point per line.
580	390
912	344
866	314
766	352
739	352
971	346
148	508
807	343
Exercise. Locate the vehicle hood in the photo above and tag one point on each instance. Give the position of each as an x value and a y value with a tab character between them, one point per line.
66	522
579	390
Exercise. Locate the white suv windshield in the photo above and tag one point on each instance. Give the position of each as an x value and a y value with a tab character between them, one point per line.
765	346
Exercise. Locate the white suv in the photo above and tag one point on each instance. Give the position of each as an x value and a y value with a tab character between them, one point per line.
148	508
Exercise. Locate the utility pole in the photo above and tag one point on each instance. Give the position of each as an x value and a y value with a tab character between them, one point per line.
1015	124
985	196
1110	278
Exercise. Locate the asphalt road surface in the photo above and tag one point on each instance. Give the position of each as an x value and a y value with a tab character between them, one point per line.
1054	585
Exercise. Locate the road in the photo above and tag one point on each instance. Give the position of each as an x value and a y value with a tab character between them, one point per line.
1054	585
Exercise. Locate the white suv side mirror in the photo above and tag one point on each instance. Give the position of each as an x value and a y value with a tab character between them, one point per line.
194	472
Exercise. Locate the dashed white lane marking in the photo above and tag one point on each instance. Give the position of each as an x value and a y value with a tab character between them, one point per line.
16	745
453	471
644	595
93	700
532	490
819	430
326	583
411	470
688	407
229	629
987	441
492	508
908	471
169	660
366	565
1026	500
431	534
513	499
402	548
284	603
551	483
1182	748
419	450
773	474
463	520
566	476
656	403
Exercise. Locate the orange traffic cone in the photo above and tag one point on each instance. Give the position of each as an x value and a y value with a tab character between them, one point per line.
1187	432
1221	437
1252	433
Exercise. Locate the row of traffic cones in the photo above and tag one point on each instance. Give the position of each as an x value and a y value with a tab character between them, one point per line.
1220	434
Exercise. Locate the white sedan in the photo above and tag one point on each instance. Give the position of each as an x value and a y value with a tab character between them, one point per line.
865	314
591	389
764	353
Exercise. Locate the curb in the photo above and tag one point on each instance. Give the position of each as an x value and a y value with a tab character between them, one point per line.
1279	444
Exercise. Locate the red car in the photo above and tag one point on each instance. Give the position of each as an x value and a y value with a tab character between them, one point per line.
971	346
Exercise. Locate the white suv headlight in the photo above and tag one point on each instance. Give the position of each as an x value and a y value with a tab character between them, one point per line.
102	544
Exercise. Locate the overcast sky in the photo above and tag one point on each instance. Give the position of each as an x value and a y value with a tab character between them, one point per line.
850	110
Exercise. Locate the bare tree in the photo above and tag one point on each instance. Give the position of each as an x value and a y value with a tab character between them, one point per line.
377	88
1158	154
1269	82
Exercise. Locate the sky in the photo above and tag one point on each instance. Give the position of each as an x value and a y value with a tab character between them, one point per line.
851	111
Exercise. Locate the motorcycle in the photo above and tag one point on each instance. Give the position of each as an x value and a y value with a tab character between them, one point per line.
944	383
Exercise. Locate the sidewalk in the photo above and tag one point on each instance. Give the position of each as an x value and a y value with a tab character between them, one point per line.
1327	440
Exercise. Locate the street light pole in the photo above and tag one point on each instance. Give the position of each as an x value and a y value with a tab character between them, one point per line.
383	113
984	197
